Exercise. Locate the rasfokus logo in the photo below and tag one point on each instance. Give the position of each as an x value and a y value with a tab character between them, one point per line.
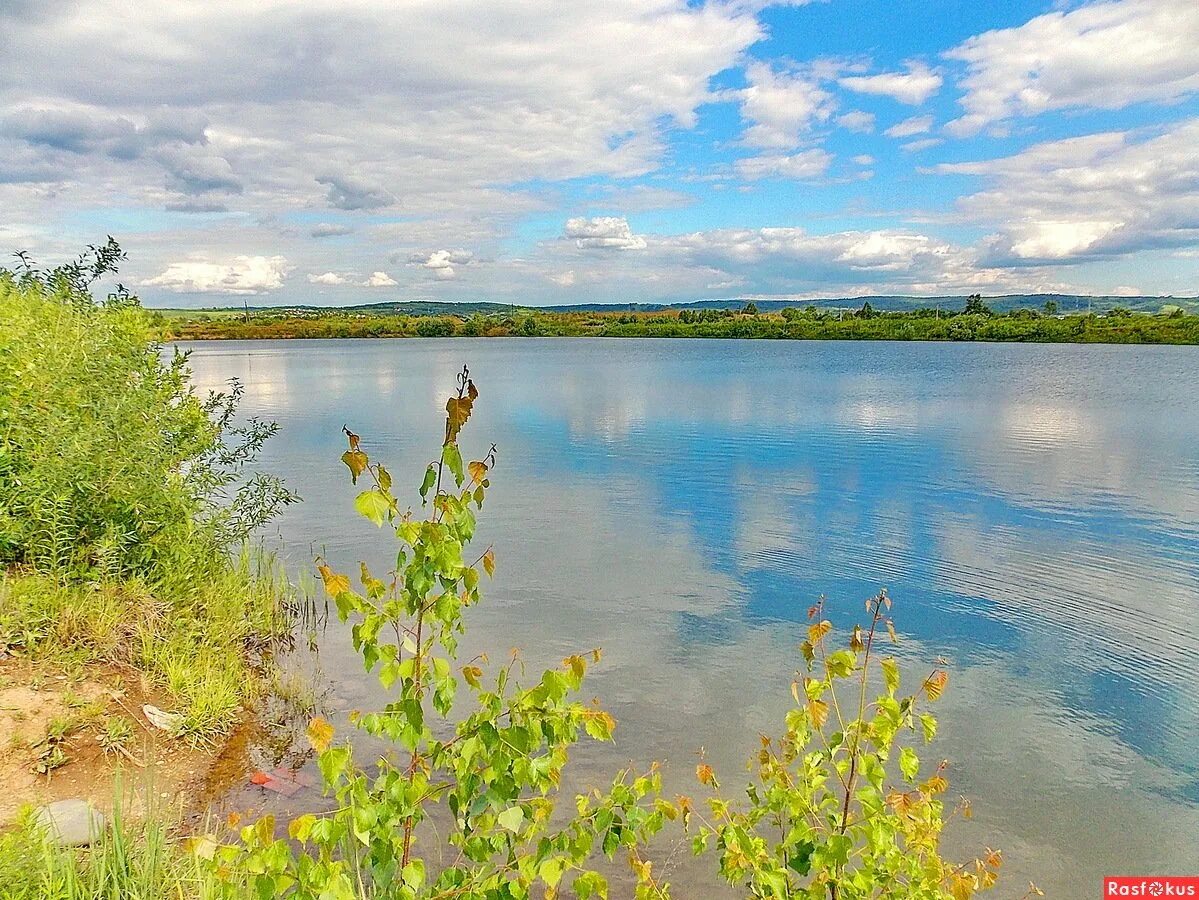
1151	886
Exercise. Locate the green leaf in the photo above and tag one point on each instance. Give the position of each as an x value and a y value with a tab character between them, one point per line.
429	482
451	456
512	818
891	675
373	505
841	664
928	725
800	858
909	763
591	884
384	478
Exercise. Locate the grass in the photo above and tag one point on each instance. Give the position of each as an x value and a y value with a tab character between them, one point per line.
131	861
204	646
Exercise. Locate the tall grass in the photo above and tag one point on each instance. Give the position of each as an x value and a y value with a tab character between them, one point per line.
131	861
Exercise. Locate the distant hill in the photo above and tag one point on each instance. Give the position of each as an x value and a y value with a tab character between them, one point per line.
1003	303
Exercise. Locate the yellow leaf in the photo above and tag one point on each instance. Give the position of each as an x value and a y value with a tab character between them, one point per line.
934	685
457	411
817	631
355	461
597	654
202	847
334	584
704	773
478	470
472	674
818	710
856	644
353	438
576	665
320	733
962	887
299	828
489	563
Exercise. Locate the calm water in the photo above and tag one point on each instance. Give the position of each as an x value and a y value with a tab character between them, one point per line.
1033	510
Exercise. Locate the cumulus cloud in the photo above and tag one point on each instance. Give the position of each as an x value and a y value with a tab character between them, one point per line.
781	106
336	279
603	233
442	263
909	127
328	278
794	261
308	103
912	87
856	120
380	279
563	279
1099	195
240	275
804	166
1103	55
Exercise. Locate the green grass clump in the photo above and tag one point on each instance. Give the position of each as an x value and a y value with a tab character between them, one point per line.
131	861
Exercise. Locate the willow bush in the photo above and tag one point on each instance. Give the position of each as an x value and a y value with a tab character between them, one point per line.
125	497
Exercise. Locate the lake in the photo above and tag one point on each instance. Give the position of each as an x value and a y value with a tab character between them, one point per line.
1032	509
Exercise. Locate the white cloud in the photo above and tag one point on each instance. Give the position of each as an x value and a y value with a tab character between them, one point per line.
563	279
380	279
864	159
912	87
305	103
803	166
328	278
329	229
603	233
781	105
856	120
923	144
909	127
241	275
1100	195
442	263
1103	55
792	260
335	279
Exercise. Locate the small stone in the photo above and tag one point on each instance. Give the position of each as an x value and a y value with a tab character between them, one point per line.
71	823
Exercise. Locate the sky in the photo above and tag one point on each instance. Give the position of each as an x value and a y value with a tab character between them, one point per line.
540	152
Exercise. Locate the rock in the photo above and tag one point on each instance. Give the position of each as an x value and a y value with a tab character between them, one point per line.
71	823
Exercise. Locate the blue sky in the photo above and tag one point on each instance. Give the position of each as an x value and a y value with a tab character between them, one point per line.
638	150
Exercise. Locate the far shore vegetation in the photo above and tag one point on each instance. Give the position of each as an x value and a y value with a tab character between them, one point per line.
971	320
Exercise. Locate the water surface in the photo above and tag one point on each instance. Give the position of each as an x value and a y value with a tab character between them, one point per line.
1033	510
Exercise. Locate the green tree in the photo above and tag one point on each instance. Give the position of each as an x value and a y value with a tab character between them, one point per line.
840	807
1050	307
751	309
496	767
975	306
